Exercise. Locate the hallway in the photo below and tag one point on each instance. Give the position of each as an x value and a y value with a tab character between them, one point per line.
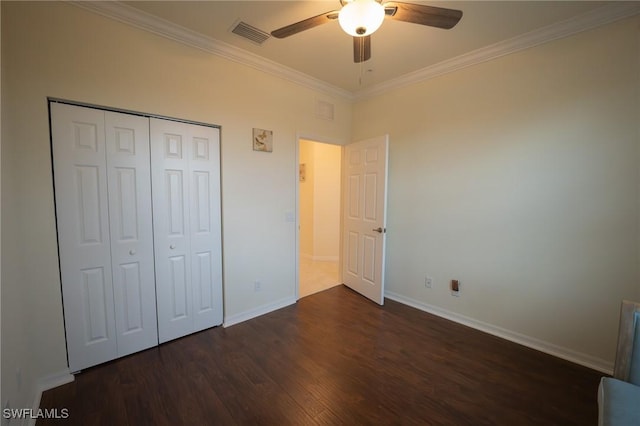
317	276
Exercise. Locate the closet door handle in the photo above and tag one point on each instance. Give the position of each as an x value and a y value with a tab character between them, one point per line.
172	246
132	252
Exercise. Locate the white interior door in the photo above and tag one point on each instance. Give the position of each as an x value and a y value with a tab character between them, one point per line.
186	184
80	174
122	291
171	228
365	200
129	184
206	229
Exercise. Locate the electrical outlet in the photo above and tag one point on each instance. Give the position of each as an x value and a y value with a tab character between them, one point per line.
428	282
257	286
455	288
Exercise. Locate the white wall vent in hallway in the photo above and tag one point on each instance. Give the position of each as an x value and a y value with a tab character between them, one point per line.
324	110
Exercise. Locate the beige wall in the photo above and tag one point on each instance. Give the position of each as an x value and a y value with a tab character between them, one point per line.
320	201
306	190
520	178
59	50
326	243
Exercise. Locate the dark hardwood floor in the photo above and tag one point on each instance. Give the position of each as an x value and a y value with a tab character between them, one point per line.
334	358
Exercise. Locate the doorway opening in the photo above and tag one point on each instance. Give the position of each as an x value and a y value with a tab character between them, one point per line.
319	207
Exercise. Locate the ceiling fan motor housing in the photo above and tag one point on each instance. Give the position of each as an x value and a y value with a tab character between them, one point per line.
361	18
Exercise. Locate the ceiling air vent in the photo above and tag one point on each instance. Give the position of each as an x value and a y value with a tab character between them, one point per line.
249	32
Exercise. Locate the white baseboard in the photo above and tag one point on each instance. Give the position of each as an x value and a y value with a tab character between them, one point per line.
585	360
256	312
44	384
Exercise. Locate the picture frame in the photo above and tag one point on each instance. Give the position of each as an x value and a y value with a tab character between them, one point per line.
303	172
262	140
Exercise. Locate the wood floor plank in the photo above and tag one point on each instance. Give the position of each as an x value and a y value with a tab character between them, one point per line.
333	358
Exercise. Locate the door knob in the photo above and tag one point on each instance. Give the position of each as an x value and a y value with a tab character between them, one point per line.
172	246
379	230
132	252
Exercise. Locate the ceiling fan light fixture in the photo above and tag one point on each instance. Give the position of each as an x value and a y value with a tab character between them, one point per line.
361	18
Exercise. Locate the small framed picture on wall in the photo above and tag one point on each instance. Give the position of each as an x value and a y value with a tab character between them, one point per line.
303	172
262	140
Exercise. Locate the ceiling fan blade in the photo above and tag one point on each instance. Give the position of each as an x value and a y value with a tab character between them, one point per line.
305	24
424	15
361	49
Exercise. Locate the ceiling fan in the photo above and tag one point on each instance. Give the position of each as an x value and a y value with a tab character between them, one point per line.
361	18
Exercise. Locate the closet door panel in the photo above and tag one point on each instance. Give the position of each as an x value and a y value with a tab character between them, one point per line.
206	251
131	231
80	178
169	159
186	182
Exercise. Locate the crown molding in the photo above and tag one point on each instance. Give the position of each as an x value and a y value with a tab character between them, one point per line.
586	21
139	19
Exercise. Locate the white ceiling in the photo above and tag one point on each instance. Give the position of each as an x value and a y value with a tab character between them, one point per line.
398	48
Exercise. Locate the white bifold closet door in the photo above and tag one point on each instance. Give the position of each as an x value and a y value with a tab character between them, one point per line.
185	161
103	208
